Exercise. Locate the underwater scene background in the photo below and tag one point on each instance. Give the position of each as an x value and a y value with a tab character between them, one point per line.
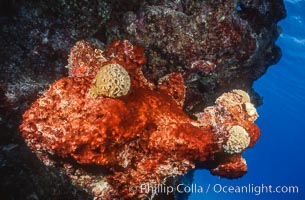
278	156
110	99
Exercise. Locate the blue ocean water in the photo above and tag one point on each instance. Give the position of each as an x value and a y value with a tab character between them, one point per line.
278	157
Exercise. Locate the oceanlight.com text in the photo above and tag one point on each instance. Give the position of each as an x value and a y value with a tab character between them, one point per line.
255	189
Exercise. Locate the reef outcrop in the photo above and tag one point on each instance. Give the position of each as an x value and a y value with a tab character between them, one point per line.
212	47
140	137
214	44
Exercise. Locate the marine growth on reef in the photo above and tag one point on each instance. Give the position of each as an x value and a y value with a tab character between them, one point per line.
195	52
112	80
133	131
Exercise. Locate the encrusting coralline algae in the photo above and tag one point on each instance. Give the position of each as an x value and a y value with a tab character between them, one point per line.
139	135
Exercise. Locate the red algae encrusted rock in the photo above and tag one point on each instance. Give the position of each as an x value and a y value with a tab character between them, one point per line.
83	58
141	137
232	120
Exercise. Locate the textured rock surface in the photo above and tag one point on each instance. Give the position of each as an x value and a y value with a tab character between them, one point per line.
143	137
36	39
217	45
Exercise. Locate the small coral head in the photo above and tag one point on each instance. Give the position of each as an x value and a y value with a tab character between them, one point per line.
251	111
238	140
235	97
112	80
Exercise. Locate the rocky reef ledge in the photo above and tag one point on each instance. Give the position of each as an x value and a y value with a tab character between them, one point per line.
100	97
106	114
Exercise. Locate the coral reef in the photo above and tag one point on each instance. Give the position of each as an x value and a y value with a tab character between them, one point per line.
207	41
142	137
217	46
